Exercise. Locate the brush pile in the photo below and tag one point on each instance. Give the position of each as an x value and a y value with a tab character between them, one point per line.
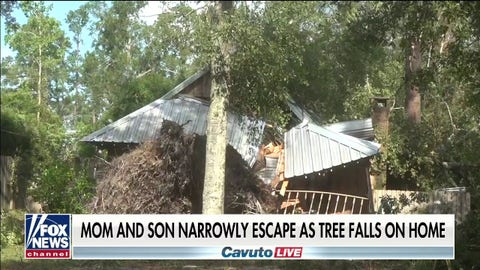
165	176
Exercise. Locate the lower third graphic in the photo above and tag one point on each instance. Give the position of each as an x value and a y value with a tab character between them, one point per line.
47	236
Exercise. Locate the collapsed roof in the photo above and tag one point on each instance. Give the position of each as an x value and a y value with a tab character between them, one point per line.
308	147
311	148
244	134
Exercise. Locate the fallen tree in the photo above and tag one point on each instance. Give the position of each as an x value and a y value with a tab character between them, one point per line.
166	176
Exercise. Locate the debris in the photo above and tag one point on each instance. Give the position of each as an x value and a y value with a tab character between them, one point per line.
166	176
272	149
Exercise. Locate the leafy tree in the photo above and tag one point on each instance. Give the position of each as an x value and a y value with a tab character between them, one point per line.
270	59
128	54
33	96
136	93
77	21
6	9
41	47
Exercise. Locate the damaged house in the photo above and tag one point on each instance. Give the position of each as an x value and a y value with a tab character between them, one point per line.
311	169
187	105
322	171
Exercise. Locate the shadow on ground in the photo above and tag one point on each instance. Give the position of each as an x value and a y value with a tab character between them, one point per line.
195	265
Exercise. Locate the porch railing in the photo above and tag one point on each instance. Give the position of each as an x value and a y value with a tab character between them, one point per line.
322	202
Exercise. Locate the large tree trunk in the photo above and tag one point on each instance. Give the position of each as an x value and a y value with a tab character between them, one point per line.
214	185
412	69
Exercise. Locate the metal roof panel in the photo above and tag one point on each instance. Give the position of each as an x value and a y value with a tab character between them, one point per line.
144	124
362	128
311	148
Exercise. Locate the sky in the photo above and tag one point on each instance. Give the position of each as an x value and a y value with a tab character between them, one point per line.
60	10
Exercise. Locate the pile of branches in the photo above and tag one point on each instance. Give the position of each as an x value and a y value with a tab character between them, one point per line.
165	176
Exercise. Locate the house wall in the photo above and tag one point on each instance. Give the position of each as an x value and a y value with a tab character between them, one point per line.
199	89
350	180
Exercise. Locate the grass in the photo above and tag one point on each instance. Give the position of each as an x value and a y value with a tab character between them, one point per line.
12	259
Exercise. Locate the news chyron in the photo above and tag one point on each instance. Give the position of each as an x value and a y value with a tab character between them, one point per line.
47	236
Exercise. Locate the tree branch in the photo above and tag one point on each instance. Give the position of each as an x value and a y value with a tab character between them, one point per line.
143	73
450	115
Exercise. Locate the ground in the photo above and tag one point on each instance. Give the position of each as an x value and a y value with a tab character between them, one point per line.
12	259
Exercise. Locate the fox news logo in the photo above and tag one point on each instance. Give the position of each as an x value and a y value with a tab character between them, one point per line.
47	236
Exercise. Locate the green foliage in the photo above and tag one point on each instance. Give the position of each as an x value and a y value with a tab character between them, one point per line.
28	145
392	205
11	228
375	40
41	46
39	32
269	54
136	93
6	9
467	241
15	137
331	57
132	64
63	189
83	150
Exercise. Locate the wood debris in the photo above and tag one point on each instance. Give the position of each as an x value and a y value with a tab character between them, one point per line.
166	176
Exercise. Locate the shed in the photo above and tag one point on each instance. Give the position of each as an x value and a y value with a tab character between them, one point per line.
187	105
326	171
320	169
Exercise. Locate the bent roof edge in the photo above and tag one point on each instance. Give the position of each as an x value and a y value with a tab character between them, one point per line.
170	94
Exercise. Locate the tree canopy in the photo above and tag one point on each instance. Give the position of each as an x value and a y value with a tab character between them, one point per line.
331	57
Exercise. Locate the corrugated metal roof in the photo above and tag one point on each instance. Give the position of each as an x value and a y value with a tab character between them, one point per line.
362	128
301	112
244	134
310	148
